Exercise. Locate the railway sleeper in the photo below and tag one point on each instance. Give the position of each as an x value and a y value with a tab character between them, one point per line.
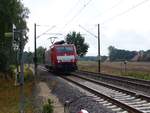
128	99
119	97
111	107
143	108
138	102
140	105
117	109
146	111
123	112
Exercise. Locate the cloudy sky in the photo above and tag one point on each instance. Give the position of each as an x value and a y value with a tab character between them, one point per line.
124	24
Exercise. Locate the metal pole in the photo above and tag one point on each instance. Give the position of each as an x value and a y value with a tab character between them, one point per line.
35	57
21	62
21	76
99	62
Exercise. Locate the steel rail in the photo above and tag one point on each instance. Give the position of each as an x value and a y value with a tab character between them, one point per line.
139	82
144	97
112	100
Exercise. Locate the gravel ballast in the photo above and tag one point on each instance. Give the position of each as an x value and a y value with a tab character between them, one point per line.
65	91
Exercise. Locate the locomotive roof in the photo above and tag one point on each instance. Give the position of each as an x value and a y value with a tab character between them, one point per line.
62	45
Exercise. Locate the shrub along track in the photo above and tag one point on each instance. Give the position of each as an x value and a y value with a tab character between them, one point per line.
116	99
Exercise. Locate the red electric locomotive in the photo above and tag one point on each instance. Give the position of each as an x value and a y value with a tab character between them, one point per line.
61	57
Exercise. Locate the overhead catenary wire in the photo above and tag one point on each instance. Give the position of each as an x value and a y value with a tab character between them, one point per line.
120	14
46	31
112	7
71	10
126	11
88	31
43	25
84	6
111	18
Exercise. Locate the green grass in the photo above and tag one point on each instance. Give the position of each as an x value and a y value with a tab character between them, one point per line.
48	107
139	75
138	70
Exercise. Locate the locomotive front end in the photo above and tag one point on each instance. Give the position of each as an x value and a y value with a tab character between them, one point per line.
66	58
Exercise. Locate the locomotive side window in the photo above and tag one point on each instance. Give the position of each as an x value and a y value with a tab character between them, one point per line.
64	49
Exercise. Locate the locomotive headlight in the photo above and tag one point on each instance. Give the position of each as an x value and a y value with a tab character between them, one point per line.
59	61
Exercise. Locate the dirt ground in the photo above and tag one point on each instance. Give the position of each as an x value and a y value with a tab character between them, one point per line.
44	93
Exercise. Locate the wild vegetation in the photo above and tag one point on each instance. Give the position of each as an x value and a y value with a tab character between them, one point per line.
13	37
132	69
48	107
28	56
13	13
10	94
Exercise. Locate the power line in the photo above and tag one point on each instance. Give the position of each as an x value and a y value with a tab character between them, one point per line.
71	10
112	7
88	31
43	25
46	31
126	11
84	6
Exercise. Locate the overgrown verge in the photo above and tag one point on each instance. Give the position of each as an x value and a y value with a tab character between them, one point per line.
139	71
48	107
139	75
10	94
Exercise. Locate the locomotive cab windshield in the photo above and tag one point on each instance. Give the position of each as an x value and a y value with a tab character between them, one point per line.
61	49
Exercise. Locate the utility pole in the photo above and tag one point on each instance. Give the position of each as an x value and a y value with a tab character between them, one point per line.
99	61
21	74
35	57
99	56
21	61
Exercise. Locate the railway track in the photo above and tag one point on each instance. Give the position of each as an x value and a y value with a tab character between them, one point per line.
116	99
137	84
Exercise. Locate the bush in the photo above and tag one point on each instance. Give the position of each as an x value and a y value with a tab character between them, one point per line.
28	74
139	75
12	69
48	107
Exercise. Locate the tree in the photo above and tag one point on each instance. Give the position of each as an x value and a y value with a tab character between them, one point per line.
112	53
78	40
28	57
11	12
146	56
40	54
120	54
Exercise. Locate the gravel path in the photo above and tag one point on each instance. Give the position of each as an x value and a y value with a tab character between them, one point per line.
45	92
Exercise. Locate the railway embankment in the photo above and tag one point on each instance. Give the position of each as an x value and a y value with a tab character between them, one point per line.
66	91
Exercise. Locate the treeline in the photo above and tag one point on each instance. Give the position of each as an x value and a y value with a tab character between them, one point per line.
13	27
120	54
114	55
92	58
28	56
